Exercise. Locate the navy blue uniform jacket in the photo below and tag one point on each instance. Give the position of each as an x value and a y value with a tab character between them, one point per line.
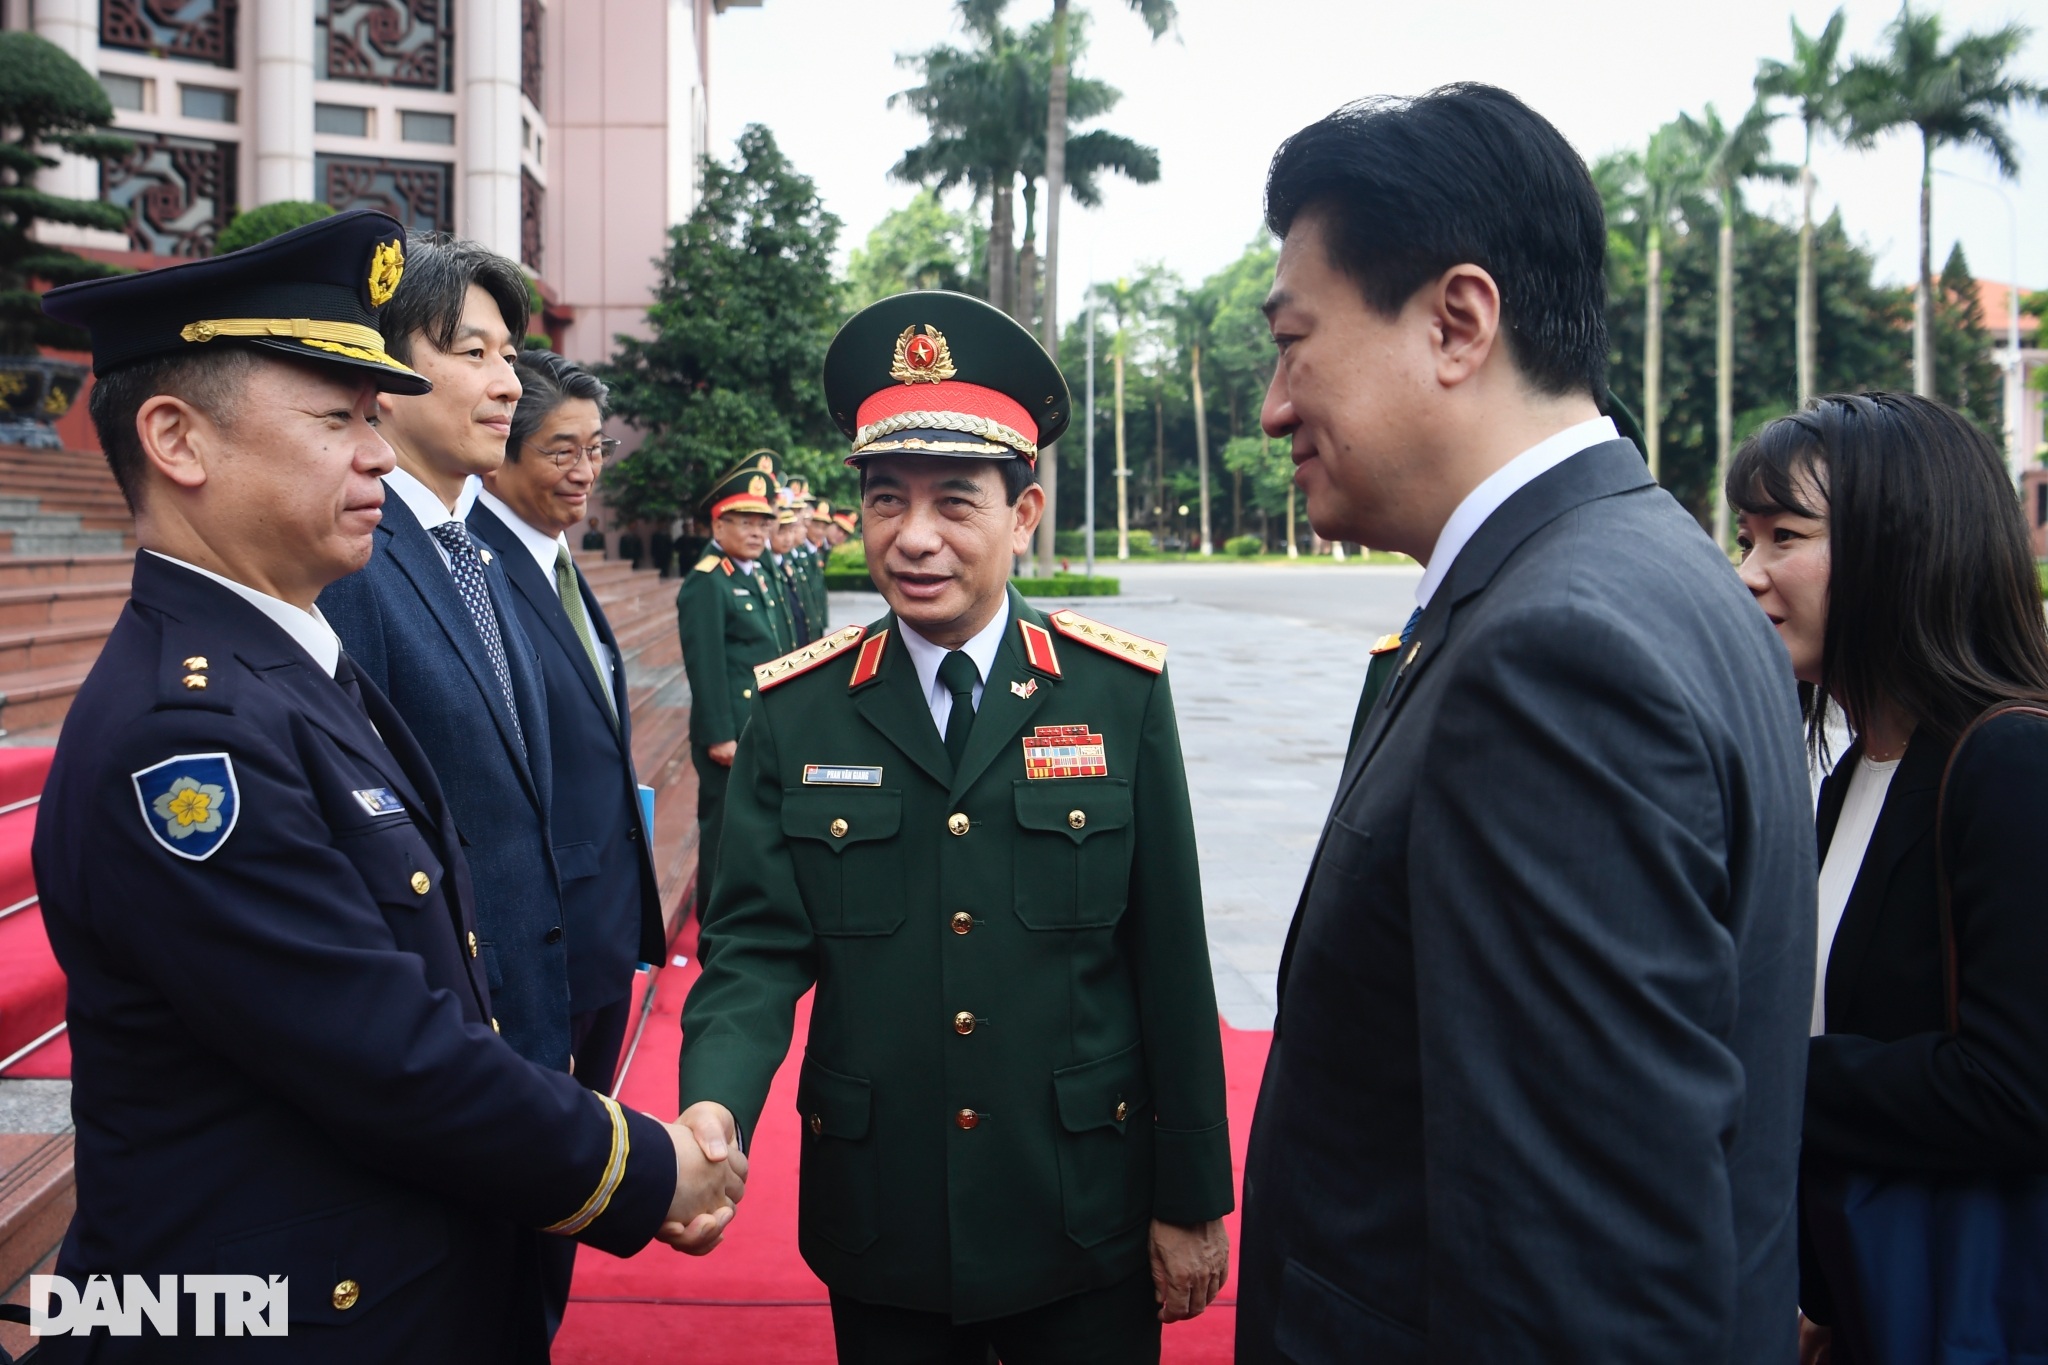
609	892
282	1055
404	623
1534	1088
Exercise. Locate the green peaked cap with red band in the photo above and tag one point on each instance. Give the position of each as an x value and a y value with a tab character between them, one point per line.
937	373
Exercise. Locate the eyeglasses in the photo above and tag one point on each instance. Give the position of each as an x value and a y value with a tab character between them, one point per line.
568	457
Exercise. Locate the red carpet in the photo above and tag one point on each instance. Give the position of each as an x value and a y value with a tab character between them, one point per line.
31	986
754	1299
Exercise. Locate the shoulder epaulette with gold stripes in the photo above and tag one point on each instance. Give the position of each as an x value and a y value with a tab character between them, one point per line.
868	666
797	661
707	564
1149	655
1386	644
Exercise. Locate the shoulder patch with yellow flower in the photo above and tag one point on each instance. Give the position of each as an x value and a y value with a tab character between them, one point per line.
189	803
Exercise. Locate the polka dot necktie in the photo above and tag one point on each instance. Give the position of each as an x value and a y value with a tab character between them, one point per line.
467	566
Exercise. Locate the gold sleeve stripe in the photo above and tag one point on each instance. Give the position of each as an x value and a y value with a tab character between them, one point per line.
614	1171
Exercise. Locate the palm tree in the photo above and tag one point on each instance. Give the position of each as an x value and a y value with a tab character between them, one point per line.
1656	187
1158	16
1727	157
1131	302
1194	315
1956	96
1811	80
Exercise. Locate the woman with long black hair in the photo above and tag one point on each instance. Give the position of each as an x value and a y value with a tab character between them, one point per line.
1882	536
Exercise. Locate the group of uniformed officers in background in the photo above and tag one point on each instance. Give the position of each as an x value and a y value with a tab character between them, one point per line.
312	842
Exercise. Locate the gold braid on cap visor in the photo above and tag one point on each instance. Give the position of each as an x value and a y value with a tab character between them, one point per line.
944	421
343	338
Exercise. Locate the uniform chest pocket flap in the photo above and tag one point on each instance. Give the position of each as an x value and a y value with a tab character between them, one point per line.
849	861
396	864
1073	865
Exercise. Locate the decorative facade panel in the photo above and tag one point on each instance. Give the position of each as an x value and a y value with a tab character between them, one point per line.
196	30
530	50
179	191
532	203
419	194
404	43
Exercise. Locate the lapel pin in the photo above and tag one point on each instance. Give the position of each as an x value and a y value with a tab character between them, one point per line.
1024	689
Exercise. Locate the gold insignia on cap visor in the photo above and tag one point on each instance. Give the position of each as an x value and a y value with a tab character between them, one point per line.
387	267
351	339
922	358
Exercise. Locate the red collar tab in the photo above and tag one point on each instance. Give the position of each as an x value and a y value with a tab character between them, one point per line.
1038	648
725	564
867	665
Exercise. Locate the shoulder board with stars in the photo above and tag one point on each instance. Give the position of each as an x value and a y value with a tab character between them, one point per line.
707	564
1149	655
1386	644
777	671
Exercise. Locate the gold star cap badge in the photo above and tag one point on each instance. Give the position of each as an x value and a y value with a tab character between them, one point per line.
922	357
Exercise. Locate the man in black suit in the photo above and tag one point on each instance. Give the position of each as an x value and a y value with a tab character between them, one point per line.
1534	1088
611	902
429	621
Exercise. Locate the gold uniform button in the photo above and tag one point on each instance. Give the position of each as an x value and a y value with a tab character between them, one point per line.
746	693
750	606
966	1120
962	921
472	943
817	1123
957	822
1123	1111
195	682
1077	818
346	1293
838	828
963	1023
422	883
197	663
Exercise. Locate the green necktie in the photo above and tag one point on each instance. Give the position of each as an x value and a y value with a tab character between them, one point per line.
571	589
959	674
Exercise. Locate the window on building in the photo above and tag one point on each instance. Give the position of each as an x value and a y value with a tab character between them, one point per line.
200	101
529	50
418	194
179	191
2041	504
414	126
343	120
378	42
127	92
196	30
532	204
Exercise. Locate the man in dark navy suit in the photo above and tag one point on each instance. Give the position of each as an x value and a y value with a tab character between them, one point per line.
429	620
611	902
282	1047
1535	1085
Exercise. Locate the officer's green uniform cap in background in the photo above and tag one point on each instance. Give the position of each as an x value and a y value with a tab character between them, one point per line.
938	373
750	488
312	293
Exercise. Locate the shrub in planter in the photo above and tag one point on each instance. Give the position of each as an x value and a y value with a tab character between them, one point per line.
1245	547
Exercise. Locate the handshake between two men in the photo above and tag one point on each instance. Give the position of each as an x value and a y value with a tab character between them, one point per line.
711	1179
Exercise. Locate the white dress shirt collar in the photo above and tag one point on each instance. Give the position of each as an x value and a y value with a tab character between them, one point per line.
308	629
538	543
426	504
925	657
1510	479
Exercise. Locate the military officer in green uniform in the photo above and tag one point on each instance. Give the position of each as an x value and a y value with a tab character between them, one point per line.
967	826
810	560
728	613
782	541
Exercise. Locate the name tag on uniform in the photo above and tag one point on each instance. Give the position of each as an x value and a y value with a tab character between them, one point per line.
380	801
825	775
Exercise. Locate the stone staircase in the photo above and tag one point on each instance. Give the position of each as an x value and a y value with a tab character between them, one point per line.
60	503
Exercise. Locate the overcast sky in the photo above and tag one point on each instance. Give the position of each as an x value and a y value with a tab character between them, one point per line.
1219	94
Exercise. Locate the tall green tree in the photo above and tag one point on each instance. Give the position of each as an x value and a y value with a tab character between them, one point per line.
1954	95
47	101
1652	193
1967	378
746	305
1158	16
1812	82
1729	156
923	245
